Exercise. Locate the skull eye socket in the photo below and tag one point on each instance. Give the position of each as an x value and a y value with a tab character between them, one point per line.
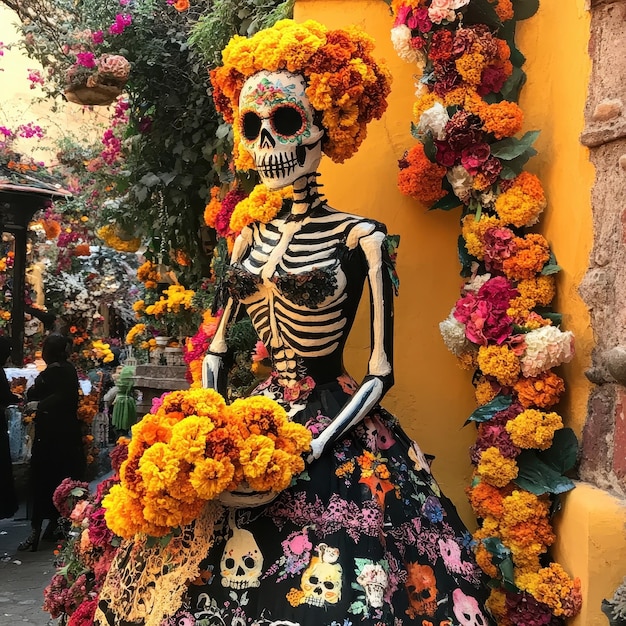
288	120
249	562
251	125
229	563
329	585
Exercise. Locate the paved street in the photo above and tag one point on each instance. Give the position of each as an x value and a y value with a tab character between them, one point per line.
23	575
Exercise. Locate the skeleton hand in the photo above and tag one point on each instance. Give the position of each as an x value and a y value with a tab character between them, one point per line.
359	405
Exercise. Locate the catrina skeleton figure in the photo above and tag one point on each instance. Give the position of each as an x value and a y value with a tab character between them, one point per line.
356	539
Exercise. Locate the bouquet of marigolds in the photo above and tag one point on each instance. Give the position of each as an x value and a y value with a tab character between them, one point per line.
193	449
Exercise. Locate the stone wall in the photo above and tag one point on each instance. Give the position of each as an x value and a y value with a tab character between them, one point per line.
603	460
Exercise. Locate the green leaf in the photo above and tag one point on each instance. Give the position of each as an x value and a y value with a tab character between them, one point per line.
430	150
167	177
556	318
523	9
550	269
465	259
513	85
562	455
511	148
150	180
447	203
487	411
481	12
538	477
502	558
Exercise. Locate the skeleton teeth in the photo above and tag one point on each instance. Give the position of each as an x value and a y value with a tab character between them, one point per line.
313	601
277	165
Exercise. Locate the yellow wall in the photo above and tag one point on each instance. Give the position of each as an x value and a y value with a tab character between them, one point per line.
432	395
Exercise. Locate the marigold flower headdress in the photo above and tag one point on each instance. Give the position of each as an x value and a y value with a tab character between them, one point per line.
345	84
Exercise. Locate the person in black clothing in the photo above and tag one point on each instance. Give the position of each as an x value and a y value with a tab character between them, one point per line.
8	498
57	451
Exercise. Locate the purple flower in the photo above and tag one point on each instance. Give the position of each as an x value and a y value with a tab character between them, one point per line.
432	509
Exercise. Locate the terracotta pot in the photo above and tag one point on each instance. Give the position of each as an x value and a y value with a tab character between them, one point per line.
99	95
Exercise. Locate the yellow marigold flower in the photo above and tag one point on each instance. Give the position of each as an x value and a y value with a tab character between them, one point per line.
123	512
484	392
188	440
527	558
210	477
555	588
470	67
279	473
424	102
496	469
262	205
158	467
468	360
522	201
496	603
522	506
538	289
499	362
137	329
473	231
255	455
534	429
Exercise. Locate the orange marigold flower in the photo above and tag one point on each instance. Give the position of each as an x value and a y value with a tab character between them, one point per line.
540	289
486	500
503	119
531	253
213	208
181	5
542	391
483	560
470	67
521	201
419	177
484	391
504	9
473	231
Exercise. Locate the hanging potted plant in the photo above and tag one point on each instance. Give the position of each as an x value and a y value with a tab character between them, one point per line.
96	81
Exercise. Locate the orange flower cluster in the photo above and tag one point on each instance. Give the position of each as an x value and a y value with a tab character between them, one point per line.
531	253
345	83
148	274
88	407
419	177
193	449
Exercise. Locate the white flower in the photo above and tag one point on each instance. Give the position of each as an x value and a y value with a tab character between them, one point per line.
546	347
434	120
401	40
453	334
442	10
461	181
476	282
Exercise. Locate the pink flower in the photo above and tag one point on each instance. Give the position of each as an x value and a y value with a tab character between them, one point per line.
86	59
440	10
121	22
484	313
474	156
97	37
260	352
445	155
499	244
299	390
297	544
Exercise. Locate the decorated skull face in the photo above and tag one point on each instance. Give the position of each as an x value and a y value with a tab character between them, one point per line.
422	590
321	583
242	562
277	127
466	610
373	579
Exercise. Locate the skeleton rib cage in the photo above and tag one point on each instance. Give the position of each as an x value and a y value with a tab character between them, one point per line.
283	248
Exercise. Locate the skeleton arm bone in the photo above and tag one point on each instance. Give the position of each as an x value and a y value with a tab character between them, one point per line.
380	372
213	371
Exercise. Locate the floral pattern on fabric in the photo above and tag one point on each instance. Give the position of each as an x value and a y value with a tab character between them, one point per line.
363	536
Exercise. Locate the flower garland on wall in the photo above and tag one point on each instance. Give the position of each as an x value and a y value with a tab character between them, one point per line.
469	154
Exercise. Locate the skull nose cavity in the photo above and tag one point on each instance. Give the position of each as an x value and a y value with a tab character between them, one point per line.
267	141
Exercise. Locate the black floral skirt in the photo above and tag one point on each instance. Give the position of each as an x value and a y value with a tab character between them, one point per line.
363	536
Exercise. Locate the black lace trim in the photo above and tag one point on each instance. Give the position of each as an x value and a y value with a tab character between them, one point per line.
309	288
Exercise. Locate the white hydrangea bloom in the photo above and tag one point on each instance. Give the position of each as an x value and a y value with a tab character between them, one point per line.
401	40
476	282
546	347
453	334
461	181
434	120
